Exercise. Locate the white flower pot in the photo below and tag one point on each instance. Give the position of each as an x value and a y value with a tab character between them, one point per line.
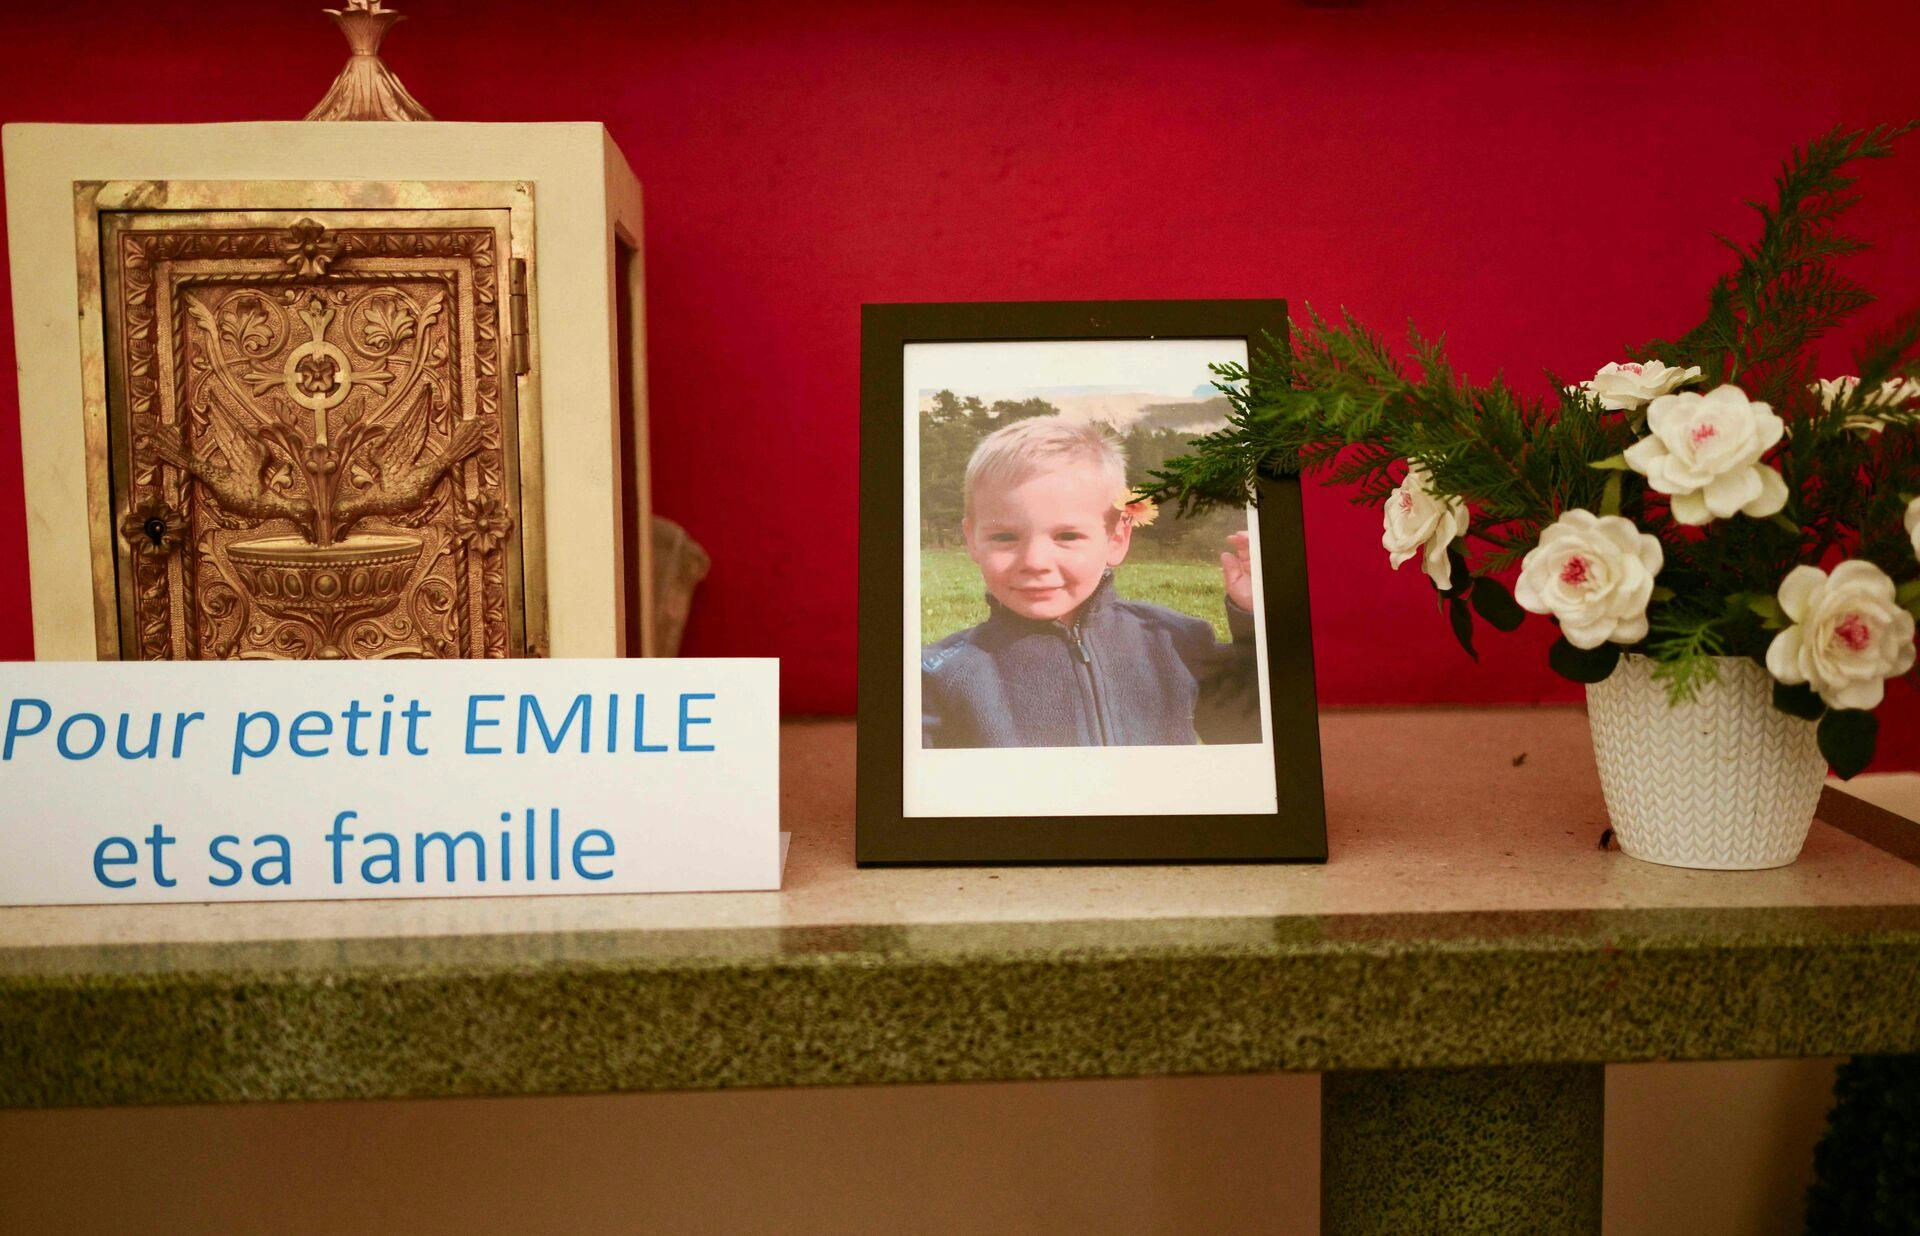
1724	782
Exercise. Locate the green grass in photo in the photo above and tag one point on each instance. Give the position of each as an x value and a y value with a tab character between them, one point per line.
952	599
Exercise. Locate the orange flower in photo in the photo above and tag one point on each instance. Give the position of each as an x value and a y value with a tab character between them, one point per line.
1139	509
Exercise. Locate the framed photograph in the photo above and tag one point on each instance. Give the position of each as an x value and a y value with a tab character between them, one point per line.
1051	670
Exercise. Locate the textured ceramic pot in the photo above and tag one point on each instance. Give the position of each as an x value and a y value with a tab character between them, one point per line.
1724	782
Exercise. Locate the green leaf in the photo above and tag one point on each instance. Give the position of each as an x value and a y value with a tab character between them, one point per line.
1907	597
1799	701
1767	609
1782	522
1492	601
1462	578
1663	593
1462	619
1847	739
1612	463
1583	664
1610	496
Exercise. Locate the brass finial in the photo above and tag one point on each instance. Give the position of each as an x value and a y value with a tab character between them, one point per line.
366	89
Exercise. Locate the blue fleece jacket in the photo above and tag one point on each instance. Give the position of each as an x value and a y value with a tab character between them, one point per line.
1116	673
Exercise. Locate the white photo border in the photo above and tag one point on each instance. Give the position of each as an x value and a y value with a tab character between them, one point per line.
1230	779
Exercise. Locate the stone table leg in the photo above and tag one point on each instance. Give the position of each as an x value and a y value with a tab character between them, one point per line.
1511	1149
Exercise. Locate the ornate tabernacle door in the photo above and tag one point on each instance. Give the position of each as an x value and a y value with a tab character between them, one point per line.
313	436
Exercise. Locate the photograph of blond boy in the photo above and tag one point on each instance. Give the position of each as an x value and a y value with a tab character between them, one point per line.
1063	659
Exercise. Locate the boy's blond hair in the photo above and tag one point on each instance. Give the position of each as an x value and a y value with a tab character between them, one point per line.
1015	452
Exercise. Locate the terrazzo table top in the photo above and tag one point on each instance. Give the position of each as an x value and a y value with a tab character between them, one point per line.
1467	916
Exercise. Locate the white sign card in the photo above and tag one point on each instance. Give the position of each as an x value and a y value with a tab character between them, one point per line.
130	782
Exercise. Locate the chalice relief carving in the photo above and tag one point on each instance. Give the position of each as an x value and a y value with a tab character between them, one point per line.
333	454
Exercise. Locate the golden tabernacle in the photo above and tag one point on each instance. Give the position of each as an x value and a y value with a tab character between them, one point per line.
303	413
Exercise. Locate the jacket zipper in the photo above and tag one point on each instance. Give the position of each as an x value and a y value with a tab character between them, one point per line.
1093	687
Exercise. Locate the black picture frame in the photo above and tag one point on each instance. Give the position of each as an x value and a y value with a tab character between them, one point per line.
884	834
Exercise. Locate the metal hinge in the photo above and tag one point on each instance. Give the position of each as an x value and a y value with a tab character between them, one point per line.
517	307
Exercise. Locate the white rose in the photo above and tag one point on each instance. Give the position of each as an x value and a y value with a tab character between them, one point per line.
1704	452
1419	521
1892	393
1627	386
1913	525
1848	636
1595	574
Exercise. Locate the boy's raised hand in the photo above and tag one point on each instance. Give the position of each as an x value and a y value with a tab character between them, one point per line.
1236	570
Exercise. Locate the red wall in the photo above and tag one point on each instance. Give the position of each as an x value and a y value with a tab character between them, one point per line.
1538	179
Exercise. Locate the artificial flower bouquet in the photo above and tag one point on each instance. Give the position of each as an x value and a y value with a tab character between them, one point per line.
1714	497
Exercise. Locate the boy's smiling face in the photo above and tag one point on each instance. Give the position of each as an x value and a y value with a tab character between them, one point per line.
1043	541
